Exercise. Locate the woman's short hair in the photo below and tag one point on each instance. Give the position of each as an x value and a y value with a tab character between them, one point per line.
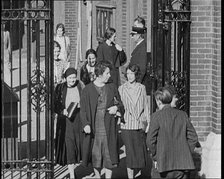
90	51
56	44
60	25
134	68
164	95
101	67
109	32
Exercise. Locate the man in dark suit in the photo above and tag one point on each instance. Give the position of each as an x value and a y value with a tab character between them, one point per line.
139	54
171	138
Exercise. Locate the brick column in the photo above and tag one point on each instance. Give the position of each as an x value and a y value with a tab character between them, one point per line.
71	25
206	82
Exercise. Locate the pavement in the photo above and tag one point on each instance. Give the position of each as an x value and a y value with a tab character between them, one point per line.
119	173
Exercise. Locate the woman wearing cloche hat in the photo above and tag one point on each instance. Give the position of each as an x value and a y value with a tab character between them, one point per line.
68	133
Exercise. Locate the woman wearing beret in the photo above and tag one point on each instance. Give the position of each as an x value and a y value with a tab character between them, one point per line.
68	133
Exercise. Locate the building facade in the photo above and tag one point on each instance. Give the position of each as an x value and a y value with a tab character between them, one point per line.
89	20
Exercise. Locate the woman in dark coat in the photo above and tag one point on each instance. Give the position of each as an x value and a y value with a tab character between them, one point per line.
100	103
113	53
68	129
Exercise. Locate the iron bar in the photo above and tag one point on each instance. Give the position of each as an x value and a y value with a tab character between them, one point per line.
20	97
47	116
51	95
47	123
10	62
29	96
2	93
38	92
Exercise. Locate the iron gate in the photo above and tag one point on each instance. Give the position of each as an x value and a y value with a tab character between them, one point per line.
171	48
27	87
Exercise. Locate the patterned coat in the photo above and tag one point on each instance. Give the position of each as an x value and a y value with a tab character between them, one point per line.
137	113
171	139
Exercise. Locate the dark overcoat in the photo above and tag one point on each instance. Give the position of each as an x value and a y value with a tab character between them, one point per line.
88	113
114	57
171	139
61	129
139	57
60	96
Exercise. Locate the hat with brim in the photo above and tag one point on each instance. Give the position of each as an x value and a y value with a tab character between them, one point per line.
138	30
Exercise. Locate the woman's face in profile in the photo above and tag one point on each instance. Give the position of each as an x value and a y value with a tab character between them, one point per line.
56	52
60	32
131	76
91	59
105	76
113	37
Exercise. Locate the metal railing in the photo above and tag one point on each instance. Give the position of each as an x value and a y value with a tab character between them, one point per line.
27	87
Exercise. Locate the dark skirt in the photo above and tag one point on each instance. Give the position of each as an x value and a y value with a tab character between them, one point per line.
135	147
60	146
68	142
73	139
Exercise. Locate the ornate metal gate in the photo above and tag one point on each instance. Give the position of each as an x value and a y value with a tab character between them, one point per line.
27	87
171	48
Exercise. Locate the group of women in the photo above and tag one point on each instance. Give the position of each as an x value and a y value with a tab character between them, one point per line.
90	134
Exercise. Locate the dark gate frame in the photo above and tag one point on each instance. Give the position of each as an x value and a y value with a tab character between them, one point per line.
171	49
39	85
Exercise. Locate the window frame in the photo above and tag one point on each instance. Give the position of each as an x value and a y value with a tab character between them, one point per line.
102	24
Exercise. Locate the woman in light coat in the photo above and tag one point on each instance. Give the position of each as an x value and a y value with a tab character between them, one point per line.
136	120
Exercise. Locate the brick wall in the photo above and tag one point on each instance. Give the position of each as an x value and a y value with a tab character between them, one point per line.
205	79
71	25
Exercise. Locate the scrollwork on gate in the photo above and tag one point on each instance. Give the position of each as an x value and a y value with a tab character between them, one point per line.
38	10
179	81
177	10
38	90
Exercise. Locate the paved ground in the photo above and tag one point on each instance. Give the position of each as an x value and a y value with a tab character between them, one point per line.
86	172
119	172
